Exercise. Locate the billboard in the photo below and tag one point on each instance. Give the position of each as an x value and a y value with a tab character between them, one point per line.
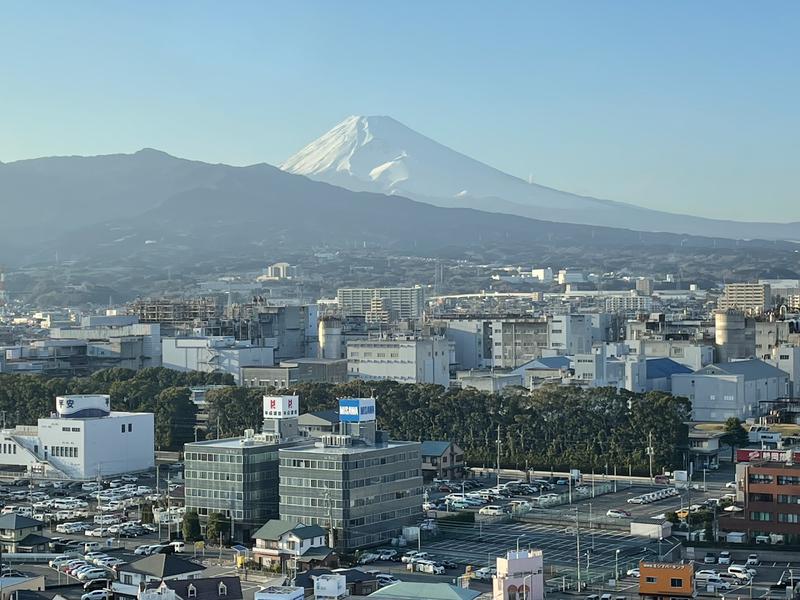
356	410
762	455
281	407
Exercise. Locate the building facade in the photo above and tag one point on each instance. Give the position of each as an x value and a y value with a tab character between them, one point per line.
751	298
402	303
291	372
407	360
214	355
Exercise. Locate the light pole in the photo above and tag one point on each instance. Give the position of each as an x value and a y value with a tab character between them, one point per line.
518	538
704	480
591	528
616	566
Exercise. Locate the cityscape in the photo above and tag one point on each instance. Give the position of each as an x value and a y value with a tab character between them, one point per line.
361	360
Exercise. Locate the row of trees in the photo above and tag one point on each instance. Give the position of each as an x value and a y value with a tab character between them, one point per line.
164	392
553	427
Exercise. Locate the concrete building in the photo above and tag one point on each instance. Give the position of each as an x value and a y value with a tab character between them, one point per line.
660	372
544	275
570	334
472	342
520	574
214	355
787	358
644	286
733	389
630	304
750	298
83	439
403	303
362	486
491	382
516	341
666	581
115	341
238	477
686	352
566	276
597	369
771	492
58	358
407	360
291	372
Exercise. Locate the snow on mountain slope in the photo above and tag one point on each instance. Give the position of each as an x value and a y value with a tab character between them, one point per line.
380	154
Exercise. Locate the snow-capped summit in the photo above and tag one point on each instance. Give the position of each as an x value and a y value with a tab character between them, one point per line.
380	154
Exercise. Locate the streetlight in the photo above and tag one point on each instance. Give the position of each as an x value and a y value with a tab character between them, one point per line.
591	529
518	538
616	566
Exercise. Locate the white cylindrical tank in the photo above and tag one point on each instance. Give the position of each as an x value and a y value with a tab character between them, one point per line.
730	335
330	337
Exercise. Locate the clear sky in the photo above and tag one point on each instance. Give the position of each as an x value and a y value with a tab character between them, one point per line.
684	106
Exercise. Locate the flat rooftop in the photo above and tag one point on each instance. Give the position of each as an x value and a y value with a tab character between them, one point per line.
357	448
235	442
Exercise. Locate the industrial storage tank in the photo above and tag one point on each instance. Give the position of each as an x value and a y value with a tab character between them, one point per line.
330	337
730	335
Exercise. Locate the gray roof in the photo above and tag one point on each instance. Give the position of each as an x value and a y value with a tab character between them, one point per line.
751	369
660	368
162	566
205	588
330	417
434	448
15	522
275	528
406	590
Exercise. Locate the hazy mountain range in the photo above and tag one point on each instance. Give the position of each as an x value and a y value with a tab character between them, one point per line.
127	207
379	154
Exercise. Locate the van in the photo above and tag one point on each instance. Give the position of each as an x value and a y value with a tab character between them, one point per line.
91	547
742	571
492	510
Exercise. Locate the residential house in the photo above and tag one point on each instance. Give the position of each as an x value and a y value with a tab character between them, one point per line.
442	460
155	568
207	588
359	583
21	534
280	541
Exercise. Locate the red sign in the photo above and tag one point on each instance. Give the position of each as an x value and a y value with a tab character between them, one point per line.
762	455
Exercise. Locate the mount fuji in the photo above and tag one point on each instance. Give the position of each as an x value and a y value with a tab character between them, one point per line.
380	154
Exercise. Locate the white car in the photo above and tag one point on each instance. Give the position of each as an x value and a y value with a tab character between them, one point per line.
492	510
636	500
633	572
96	595
724	558
742	571
384	579
484	573
752	560
731	485
142	550
616	513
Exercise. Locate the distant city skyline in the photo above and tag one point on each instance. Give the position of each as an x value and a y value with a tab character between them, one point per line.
682	107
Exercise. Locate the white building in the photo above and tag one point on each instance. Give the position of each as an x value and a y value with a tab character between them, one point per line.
686	352
787	358
472	342
733	389
544	275
214	354
629	303
520	574
566	276
83	439
751	298
597	369
570	334
404	303
407	360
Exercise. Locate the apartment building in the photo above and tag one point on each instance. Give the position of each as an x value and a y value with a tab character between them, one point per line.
751	298
399	302
407	360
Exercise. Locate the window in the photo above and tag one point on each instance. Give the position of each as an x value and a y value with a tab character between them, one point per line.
130	427
223	591
760	516
650	579
788	518
676	582
123	427
192	591
788	480
760	478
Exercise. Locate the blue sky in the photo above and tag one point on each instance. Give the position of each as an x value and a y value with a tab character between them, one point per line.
682	106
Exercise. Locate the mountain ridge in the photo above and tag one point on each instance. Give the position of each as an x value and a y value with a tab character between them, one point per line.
380	154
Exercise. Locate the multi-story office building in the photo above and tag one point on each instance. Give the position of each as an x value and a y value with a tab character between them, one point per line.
238	477
356	482
771	492
214	355
751	298
402	303
516	341
407	360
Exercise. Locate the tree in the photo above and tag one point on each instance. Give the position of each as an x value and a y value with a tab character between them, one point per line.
218	525
735	436
147	513
191	526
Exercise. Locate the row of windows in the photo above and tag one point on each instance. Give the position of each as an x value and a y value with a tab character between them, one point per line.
223	458
760	516
70	429
9	448
378	498
213	476
313	502
787	499
204	512
788	479
214	494
64	451
674	582
130	427
762	478
302	463
788	518
381	517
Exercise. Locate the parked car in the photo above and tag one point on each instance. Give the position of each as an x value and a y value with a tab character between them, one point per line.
387	554
492	510
616	513
97	584
752	560
724	558
710	559
742	571
633	572
383	579
484	573
96	595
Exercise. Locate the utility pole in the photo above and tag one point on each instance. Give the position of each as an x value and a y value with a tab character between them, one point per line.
578	548
650	453
498	455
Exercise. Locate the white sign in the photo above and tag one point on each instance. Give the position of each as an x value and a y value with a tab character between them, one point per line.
281	407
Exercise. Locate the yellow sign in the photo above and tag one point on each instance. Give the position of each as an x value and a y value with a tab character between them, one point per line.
199	545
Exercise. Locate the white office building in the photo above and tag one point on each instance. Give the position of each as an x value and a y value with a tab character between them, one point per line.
214	354
407	360
83	439
570	334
